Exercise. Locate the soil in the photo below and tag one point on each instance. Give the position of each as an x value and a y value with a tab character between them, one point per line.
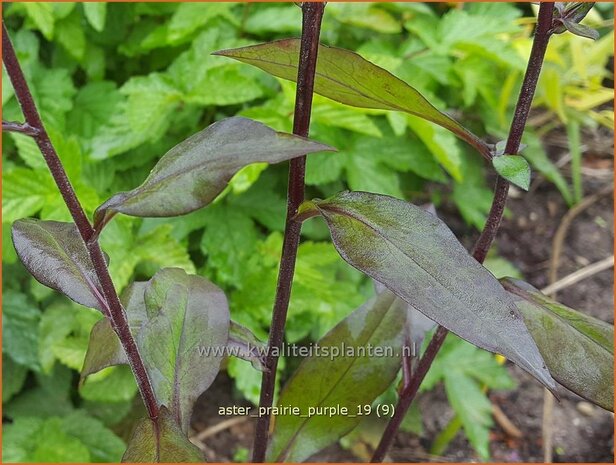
581	431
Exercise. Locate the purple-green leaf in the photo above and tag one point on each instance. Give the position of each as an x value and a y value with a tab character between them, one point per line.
54	253
343	380
244	344
577	348
161	442
346	77
195	171
183	339
416	256
580	30
104	348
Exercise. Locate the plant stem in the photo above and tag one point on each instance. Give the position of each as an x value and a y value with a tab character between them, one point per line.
37	130
22	128
480	250
312	14
520	115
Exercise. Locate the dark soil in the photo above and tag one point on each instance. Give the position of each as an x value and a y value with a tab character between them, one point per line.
581	431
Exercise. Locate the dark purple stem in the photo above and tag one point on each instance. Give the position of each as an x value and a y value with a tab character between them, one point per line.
312	14
522	109
37	131
480	250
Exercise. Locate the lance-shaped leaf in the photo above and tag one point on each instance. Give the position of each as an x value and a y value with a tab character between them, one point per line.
183	340
416	256
163	442
417	324
334	377
578	349
195	171
54	253
104	348
346	77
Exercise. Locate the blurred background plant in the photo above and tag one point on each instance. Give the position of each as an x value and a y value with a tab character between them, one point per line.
120	84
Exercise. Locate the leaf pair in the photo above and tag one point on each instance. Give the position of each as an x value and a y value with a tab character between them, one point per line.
567	17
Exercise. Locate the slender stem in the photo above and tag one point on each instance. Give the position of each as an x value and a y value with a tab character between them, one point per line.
22	128
480	250
116	312
520	115
488	234
312	14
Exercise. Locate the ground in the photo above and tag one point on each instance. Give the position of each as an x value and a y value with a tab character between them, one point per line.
582	432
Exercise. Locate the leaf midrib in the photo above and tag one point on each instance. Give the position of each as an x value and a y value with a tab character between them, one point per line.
286	450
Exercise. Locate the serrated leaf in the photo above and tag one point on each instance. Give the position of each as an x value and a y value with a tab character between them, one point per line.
416	256
103	444
230	239
464	369
185	315
41	14
113	384
70	34
20	327
163	442
329	381
25	192
474	410
94	106
52	444
578	349
514	168
63	334
336	78
56	256
194	172
13	378
96	14
49	398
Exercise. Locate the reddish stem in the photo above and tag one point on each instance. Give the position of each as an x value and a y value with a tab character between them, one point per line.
312	14
480	250
37	130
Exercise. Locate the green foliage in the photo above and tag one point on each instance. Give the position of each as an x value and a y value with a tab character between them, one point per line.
464	369
514	168
118	85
